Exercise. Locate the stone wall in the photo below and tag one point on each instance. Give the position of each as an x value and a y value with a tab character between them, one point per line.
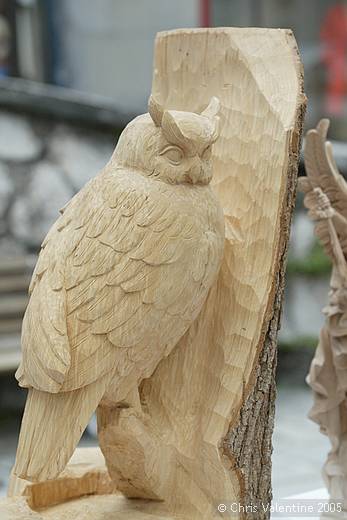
43	163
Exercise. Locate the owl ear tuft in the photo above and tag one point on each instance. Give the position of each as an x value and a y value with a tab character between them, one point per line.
211	111
155	110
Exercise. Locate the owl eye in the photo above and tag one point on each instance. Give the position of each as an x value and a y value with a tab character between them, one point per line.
173	154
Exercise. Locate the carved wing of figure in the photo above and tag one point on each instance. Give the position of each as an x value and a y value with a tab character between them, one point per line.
325	192
121	276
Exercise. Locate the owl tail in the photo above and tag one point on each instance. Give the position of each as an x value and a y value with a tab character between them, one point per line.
51	428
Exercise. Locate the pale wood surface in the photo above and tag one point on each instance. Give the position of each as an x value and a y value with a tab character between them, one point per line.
176	441
110	507
121	276
326	199
86	474
195	395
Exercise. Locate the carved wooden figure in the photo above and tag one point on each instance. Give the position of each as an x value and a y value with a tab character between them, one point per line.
326	198
184	322
121	276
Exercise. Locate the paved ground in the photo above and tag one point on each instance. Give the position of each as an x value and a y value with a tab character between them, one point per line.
8	440
299	449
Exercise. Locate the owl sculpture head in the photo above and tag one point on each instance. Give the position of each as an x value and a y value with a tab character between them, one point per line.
170	145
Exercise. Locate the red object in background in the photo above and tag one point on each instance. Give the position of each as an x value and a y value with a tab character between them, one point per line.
334	55
205	13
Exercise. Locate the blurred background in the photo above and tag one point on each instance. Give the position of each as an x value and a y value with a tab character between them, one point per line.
72	74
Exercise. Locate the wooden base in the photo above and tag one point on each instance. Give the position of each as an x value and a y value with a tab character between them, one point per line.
95	507
86	474
114	506
65	497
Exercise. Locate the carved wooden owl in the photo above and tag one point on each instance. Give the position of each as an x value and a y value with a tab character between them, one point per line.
121	276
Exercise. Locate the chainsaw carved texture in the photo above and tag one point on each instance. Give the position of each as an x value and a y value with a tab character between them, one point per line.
197	429
203	431
121	276
326	198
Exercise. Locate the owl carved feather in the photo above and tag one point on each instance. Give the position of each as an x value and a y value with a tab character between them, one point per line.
121	276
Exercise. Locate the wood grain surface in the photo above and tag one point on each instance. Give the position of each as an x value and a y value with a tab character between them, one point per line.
199	432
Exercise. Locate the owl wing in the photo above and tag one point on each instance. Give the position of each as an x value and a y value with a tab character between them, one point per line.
111	271
322	172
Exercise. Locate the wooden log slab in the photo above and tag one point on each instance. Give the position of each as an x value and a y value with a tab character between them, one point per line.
206	431
203	433
86	474
92	507
83	491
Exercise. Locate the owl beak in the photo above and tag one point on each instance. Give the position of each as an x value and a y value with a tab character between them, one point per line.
199	175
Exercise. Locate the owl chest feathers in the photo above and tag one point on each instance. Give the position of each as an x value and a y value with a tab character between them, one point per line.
186	218
128	265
